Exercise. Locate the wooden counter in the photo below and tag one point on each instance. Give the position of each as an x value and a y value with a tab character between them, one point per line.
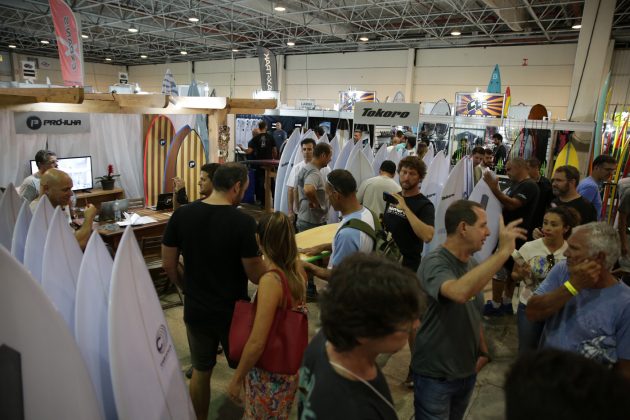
98	196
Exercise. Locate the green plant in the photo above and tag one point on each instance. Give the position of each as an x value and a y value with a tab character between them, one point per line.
110	174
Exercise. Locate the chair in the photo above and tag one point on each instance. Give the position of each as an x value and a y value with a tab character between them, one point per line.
136	203
151	248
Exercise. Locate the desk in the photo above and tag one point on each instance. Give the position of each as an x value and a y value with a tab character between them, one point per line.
98	196
271	168
112	237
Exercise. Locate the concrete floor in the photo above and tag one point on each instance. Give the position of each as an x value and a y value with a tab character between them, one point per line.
487	402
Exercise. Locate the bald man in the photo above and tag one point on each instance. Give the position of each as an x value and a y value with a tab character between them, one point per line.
57	186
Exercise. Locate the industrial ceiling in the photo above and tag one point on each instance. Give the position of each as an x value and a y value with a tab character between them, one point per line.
217	29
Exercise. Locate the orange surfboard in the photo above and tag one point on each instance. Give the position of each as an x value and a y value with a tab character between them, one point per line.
184	160
157	142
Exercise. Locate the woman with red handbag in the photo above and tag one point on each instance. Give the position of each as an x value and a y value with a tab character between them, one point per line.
283	287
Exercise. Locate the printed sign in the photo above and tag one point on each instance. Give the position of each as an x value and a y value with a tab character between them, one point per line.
123	78
479	104
51	123
386	113
305	104
268	69
29	70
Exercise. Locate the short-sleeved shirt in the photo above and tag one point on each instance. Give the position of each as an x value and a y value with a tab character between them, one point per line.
310	175
583	207
292	178
348	241
29	189
595	323
263	145
589	189
325	394
212	239
500	154
397	223
536	254
544	201
447	344
279	136
527	192
371	191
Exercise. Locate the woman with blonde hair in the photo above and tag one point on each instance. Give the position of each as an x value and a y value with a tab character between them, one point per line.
267	394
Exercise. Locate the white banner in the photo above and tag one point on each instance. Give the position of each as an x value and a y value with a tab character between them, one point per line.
386	113
51	123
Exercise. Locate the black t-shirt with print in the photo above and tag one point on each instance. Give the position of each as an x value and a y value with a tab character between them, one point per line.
527	192
263	145
586	209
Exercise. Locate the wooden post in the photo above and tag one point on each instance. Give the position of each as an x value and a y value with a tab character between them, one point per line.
216	119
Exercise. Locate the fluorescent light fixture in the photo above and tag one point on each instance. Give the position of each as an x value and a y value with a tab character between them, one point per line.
577	26
193	19
183	52
12	46
290	43
364	39
132	29
279	8
143	56
44	41
84	36
455	32
234	49
108	59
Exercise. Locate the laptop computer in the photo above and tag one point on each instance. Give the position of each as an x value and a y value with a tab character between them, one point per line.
164	201
107	209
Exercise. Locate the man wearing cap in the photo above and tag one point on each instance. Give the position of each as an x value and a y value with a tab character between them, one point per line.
371	190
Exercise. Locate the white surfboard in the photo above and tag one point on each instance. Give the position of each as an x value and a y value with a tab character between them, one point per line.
340	163
334	144
10	204
60	266
454	189
43	374
36	237
369	154
146	375
379	158
284	199
437	174
90	322
283	166
428	157
483	195
18	242
360	167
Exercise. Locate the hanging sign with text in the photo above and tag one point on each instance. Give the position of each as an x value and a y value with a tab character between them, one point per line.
386	113
51	123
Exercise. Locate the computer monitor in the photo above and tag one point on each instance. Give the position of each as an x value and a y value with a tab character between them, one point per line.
79	168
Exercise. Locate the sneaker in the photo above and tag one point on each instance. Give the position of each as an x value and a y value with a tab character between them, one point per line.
490	310
507	309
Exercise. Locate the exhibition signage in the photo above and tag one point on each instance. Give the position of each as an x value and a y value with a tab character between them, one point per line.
51	123
479	104
386	113
29	70
268	69
69	45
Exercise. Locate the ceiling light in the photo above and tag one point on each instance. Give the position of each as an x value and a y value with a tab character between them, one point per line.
455	32
43	41
183	52
364	38
577	26
290	43
234	49
12	46
132	29
143	56
108	59
84	36
193	19
279	8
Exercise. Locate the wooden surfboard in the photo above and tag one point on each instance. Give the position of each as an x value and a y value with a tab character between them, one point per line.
184	160
316	236
156	145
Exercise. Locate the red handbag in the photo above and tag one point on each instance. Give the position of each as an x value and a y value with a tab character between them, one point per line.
287	339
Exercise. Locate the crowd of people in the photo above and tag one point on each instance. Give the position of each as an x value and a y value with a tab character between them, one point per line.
551	245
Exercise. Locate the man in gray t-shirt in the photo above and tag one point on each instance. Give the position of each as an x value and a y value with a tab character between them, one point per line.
450	348
312	203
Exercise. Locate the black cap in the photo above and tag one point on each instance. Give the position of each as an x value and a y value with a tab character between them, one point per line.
388	166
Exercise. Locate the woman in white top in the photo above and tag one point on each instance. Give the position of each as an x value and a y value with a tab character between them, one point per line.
532	263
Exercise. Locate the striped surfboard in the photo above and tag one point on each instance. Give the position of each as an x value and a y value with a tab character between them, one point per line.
184	160
156	145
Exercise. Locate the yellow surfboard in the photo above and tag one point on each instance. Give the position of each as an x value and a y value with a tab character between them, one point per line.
567	156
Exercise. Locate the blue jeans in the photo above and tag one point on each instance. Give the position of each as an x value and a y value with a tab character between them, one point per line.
529	332
441	399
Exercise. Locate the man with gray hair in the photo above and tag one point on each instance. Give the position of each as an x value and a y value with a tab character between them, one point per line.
585	308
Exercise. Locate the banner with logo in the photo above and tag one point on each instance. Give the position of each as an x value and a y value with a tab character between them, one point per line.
386	113
268	69
68	33
479	104
51	123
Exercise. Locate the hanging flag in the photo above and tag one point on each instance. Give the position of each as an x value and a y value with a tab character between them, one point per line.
507	103
268	69
68	31
495	81
168	84
201	122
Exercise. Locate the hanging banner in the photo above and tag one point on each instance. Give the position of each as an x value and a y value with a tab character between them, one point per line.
479	104
268	69
386	113
69	45
51	123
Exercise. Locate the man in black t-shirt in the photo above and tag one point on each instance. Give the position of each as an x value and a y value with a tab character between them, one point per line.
500	152
519	202
564	183
361	315
544	187
261	147
218	243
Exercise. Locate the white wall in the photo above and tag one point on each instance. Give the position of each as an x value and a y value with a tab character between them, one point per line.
620	80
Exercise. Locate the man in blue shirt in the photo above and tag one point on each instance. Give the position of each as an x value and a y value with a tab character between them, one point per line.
589	188
585	308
